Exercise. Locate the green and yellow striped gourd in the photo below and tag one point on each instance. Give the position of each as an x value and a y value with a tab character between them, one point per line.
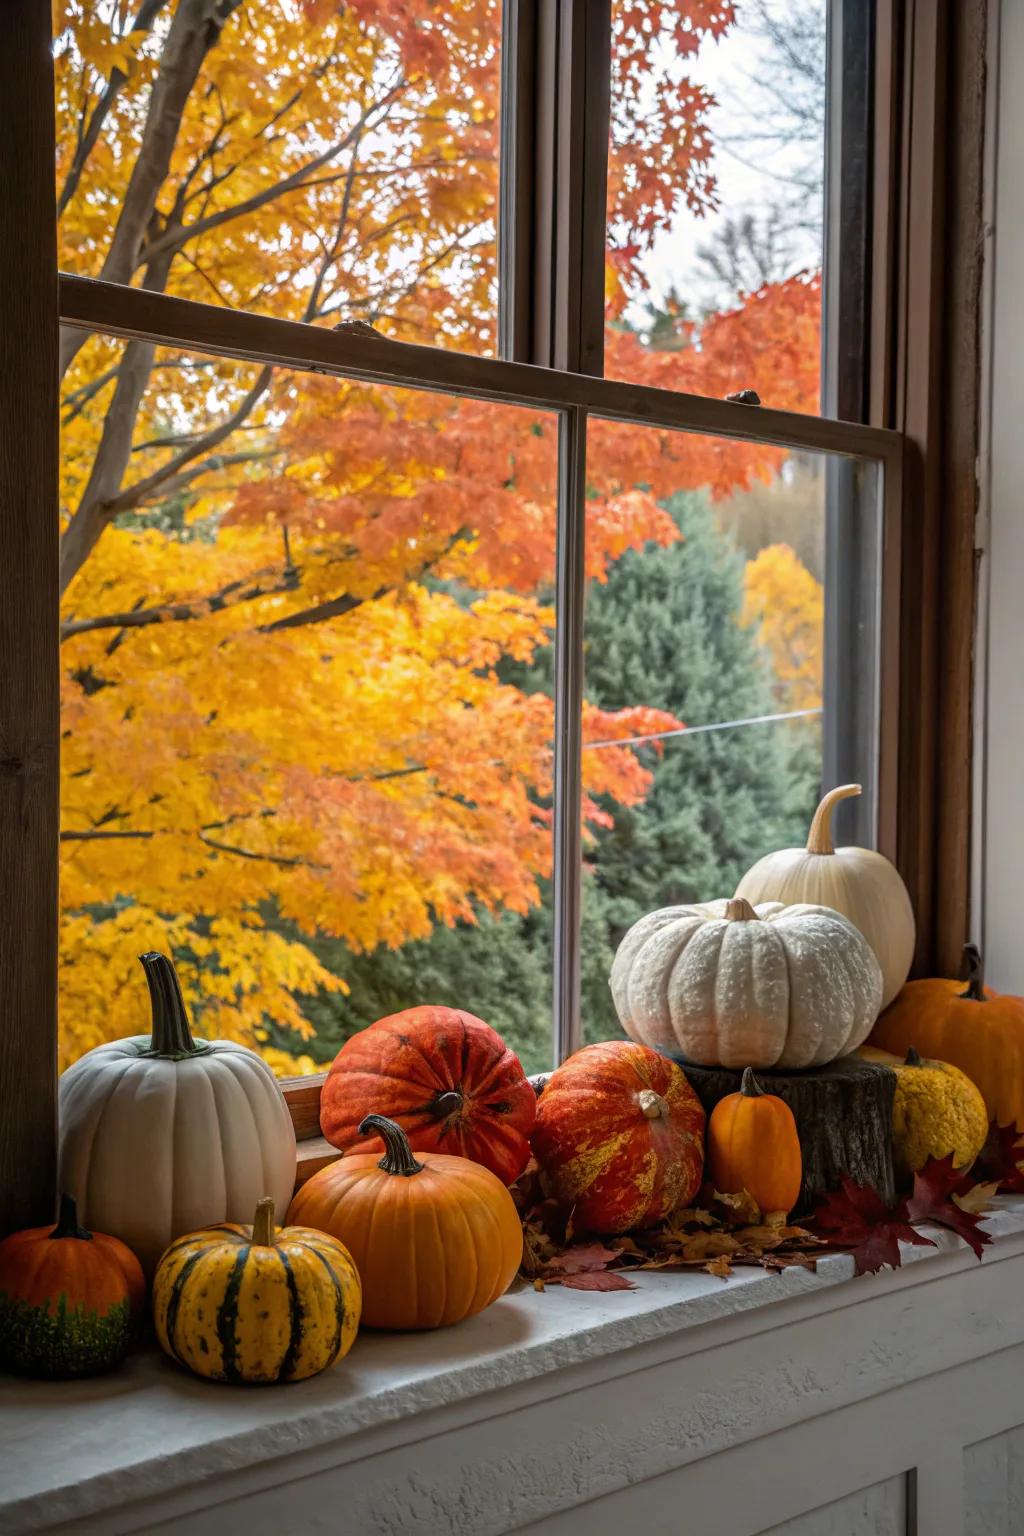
256	1304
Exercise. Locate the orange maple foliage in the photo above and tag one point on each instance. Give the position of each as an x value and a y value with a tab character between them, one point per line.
291	602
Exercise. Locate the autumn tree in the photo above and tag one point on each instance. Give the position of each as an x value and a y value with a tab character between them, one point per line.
288	598
786	606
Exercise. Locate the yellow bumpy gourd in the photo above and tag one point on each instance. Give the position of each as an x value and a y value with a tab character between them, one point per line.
937	1110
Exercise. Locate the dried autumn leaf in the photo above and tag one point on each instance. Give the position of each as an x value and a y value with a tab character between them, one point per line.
598	1280
742	1208
719	1266
935	1186
978	1198
581	1257
709	1245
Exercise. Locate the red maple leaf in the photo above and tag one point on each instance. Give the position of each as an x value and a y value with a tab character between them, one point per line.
1002	1158
856	1218
934	1187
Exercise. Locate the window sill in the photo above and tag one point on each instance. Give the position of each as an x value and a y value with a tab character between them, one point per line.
151	1437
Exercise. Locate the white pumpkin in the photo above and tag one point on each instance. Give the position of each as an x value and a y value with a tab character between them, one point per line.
730	986
162	1135
858	882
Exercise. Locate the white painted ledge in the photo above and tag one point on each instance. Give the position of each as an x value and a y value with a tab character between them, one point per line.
93	1451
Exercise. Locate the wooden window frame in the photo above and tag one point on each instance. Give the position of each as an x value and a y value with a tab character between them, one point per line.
551	254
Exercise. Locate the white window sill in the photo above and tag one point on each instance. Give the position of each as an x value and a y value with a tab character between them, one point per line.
78	1451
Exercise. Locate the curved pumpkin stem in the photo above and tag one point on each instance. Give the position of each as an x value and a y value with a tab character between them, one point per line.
739	910
68	1224
398	1156
652	1104
263	1223
975	992
171	1035
819	838
749	1085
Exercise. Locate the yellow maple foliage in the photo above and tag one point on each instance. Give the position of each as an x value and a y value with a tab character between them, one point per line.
787	604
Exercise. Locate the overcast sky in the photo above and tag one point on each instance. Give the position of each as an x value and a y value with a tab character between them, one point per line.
725	68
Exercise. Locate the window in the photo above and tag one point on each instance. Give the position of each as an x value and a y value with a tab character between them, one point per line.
398	550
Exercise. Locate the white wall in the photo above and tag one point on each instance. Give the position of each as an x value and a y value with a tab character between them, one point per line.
1001	837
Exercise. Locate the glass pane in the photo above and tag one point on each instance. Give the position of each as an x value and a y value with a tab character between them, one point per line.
712	630
308	160
715	197
307	714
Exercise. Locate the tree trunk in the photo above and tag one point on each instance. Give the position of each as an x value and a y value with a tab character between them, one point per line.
843	1113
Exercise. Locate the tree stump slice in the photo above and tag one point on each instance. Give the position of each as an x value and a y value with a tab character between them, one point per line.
843	1114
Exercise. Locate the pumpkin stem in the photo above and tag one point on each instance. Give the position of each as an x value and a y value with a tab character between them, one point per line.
68	1224
913	1058
447	1104
739	910
975	975
749	1085
171	1033
819	838
398	1157
652	1104
263	1223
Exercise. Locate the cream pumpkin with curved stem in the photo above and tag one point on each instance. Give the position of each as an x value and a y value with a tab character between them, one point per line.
858	882
162	1134
730	985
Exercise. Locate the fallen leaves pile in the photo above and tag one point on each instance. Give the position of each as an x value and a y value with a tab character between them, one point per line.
729	1230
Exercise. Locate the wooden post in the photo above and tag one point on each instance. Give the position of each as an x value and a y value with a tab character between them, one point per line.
29	694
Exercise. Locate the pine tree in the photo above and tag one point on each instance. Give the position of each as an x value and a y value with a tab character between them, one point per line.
664	630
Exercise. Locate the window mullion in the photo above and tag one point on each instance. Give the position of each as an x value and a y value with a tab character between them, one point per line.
569	599
555	115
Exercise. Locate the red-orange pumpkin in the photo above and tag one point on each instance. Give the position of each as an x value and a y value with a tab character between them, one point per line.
619	1136
447	1078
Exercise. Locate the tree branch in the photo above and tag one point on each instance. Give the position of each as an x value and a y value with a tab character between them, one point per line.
148	11
195	27
178	235
125	500
333	608
231	596
96	836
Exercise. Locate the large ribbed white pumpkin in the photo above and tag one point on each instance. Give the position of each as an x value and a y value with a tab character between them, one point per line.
858	882
728	985
162	1135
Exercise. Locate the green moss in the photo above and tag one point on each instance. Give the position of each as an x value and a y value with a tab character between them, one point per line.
65	1341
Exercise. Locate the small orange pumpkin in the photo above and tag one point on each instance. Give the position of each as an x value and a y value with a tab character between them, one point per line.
434	1238
973	1028
753	1144
69	1299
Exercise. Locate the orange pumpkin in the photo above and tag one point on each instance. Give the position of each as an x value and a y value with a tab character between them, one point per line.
434	1238
619	1136
753	1144
69	1299
445	1077
972	1027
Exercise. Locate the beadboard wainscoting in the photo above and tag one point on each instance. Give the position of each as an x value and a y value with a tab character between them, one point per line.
814	1404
